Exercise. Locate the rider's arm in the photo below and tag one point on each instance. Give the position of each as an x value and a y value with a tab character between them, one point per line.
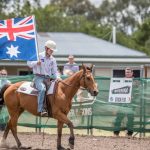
31	64
55	72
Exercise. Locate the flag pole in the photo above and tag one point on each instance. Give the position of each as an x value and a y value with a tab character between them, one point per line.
36	41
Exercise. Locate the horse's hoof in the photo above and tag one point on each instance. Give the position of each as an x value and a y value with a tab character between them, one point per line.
71	146
24	147
3	144
61	148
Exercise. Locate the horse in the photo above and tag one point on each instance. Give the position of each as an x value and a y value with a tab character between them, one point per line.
17	103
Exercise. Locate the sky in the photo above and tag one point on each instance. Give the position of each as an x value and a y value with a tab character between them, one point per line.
95	2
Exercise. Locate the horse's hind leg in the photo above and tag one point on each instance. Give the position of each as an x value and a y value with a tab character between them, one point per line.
14	130
3	141
14	120
12	124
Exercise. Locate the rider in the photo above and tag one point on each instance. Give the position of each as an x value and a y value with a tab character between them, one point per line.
45	67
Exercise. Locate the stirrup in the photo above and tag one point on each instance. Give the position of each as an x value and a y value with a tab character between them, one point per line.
43	114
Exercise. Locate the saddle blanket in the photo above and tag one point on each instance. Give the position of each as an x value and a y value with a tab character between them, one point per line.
27	88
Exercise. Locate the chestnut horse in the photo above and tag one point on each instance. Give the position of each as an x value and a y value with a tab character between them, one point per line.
17	102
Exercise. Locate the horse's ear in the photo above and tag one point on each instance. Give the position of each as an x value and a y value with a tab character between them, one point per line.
84	68
91	68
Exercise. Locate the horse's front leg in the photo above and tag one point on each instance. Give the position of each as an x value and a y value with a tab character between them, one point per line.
71	138
62	118
59	134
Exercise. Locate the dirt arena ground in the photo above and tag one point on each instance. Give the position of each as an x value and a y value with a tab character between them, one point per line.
82	142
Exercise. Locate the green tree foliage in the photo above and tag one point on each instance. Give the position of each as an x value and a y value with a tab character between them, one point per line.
82	16
76	7
117	13
3	6
142	36
142	9
18	8
124	13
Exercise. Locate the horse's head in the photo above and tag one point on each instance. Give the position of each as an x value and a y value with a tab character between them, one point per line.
87	80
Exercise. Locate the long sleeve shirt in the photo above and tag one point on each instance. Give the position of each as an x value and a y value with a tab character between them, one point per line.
48	66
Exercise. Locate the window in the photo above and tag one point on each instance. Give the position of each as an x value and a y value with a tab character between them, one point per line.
120	73
22	72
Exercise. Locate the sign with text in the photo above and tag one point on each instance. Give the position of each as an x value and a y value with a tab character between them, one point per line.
120	90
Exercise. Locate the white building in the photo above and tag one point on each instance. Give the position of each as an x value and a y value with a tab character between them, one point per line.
86	49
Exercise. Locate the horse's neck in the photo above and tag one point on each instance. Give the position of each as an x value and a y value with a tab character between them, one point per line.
74	84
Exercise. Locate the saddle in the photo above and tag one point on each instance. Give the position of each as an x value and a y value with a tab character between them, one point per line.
51	86
29	88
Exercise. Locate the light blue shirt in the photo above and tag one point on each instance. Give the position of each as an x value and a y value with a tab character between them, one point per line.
48	66
72	67
3	81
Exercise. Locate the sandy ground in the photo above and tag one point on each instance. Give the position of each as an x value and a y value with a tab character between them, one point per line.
82	142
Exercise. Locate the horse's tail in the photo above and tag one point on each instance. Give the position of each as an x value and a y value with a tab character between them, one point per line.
2	91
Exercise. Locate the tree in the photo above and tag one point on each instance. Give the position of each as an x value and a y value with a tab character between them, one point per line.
3	8
124	14
142	35
76	7
142	9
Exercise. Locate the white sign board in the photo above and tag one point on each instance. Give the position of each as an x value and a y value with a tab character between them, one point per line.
120	90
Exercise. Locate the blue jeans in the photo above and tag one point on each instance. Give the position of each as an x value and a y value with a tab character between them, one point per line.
38	81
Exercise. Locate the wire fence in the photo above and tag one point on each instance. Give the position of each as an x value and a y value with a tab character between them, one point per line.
97	112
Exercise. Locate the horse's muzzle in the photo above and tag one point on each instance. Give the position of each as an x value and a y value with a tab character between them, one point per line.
94	93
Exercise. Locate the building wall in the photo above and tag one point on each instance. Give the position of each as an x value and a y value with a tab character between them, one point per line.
98	71
14	70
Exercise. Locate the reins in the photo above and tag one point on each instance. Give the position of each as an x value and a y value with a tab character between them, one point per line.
65	83
70	85
82	88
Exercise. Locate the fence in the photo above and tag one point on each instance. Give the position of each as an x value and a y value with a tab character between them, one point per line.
88	112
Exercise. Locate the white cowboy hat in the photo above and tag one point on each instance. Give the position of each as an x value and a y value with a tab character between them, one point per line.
51	44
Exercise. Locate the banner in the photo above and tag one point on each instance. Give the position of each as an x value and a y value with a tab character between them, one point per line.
120	90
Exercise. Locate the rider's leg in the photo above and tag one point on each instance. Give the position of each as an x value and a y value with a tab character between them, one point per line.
41	88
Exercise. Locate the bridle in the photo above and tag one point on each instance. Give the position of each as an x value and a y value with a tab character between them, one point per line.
84	83
84	78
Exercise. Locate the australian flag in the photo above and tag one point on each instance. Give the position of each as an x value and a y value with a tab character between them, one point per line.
18	39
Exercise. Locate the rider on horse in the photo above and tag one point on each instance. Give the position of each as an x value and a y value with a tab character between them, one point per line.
45	67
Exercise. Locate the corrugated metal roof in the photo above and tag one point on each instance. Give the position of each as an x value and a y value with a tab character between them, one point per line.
80	44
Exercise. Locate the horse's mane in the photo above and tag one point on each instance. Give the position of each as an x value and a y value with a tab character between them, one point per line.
74	74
